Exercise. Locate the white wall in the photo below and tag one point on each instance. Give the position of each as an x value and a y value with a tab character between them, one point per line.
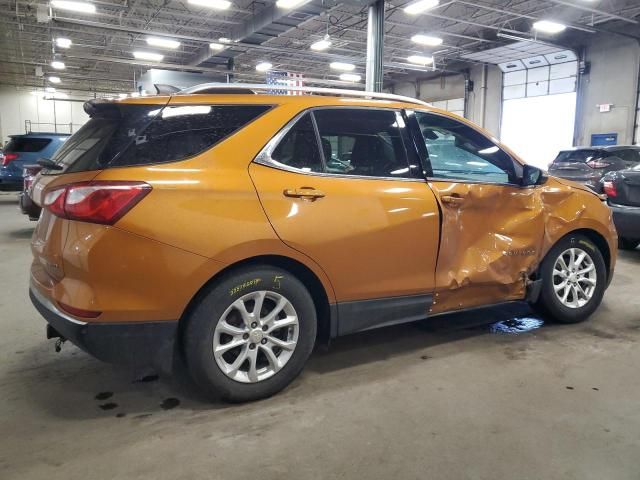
18	105
613	79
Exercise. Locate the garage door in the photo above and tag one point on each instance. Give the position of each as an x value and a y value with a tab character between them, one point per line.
539	105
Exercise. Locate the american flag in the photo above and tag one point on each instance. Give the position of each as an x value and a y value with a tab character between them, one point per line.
285	79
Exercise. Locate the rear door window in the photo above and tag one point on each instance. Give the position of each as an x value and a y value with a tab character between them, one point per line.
299	147
363	142
27	144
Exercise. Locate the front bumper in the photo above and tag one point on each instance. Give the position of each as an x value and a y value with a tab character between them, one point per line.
137	344
626	220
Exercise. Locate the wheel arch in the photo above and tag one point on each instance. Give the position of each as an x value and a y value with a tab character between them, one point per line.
325	311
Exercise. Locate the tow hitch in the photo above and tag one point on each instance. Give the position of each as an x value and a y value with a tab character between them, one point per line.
53	333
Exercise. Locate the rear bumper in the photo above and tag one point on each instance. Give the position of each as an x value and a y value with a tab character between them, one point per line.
626	220
136	343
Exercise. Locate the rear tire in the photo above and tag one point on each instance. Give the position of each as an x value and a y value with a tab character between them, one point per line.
574	278
627	243
257	353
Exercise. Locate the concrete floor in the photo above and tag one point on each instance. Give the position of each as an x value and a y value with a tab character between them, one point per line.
445	402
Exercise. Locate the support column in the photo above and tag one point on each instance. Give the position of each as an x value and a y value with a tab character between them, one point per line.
375	46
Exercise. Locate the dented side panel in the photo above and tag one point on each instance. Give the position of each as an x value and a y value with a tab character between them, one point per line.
494	237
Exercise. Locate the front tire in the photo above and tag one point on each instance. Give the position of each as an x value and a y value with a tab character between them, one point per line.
250	334
574	278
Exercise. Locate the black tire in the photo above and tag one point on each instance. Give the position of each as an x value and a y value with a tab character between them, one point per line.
549	301
199	332
627	243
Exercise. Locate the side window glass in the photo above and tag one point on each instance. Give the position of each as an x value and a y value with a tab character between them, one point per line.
363	142
299	147
458	152
179	132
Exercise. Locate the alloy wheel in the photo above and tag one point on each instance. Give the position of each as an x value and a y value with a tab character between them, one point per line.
255	336
574	278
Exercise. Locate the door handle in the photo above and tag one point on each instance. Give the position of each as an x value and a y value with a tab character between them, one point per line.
453	200
306	193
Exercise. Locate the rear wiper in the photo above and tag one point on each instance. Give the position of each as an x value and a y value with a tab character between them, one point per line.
49	164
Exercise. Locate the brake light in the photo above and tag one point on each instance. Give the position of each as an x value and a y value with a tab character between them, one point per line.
598	164
100	202
609	188
8	158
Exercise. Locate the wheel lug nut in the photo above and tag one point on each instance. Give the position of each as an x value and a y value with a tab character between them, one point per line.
254	325
264	328
252	346
245	336
263	341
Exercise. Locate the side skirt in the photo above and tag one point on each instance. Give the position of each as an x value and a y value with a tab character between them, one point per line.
356	316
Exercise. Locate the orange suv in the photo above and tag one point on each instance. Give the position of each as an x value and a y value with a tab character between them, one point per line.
238	229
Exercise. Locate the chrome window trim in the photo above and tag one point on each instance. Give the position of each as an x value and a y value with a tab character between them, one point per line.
264	156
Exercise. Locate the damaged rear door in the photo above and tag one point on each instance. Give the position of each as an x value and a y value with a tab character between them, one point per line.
492	227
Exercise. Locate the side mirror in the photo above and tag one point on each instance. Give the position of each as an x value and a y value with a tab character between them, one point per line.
532	176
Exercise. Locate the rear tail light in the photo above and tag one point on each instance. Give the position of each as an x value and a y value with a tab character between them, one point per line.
8	158
95	202
609	188
79	312
598	164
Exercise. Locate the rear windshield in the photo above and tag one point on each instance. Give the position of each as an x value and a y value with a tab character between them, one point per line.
126	135
27	144
578	156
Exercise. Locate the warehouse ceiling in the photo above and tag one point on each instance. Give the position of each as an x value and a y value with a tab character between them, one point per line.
101	59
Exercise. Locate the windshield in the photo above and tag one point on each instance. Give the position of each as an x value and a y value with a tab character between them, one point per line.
578	156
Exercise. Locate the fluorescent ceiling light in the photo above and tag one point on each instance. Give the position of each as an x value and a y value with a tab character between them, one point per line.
134	94
547	26
215	4
54	79
122	95
224	40
58	65
264	66
350	77
321	44
50	90
290	3
154	57
426	40
346	67
162	42
421	6
63	42
82	7
216	46
420	60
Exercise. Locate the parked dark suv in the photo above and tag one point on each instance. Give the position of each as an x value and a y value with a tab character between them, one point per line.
623	197
587	165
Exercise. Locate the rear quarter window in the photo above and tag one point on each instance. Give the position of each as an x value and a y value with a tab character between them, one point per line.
185	131
121	135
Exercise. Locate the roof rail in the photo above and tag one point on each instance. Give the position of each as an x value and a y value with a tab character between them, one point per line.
266	89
